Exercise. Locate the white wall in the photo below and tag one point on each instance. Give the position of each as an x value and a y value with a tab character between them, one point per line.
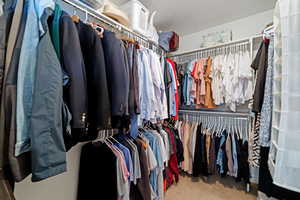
242	28
61	187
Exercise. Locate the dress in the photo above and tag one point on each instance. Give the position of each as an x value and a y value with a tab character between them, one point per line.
208	99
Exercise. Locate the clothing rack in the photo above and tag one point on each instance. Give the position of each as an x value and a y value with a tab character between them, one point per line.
218	113
115	26
232	46
239	123
227	120
105	134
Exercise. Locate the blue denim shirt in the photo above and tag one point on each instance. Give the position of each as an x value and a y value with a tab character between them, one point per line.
234	155
172	91
187	86
190	99
221	154
26	72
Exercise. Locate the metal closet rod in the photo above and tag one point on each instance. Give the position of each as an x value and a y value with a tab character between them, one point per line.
92	12
246	40
221	113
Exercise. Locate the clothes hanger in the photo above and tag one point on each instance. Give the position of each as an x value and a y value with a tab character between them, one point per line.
127	38
86	16
235	126
229	125
216	124
75	17
210	122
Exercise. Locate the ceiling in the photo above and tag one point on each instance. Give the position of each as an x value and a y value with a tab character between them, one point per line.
190	16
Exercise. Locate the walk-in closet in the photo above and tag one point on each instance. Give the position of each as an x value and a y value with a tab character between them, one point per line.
149	100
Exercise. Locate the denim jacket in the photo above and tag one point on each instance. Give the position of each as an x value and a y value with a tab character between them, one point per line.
26	73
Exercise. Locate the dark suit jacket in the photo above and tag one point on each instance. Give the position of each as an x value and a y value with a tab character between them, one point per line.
75	94
99	115
117	74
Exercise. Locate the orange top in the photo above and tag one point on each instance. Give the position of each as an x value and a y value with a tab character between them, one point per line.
208	102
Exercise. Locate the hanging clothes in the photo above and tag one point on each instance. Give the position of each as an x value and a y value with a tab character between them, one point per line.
254	157
174	96
20	165
98	115
208	101
6	184
198	75
260	64
73	66
221	152
47	148
95	177
61	76
217	80
26	73
213	81
266	112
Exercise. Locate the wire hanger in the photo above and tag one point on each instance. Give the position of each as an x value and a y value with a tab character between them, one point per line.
86	16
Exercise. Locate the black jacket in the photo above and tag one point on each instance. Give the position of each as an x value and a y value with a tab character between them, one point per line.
75	94
98	173
99	115
260	64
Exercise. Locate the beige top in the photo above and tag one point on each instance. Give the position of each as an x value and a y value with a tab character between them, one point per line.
198	75
208	142
208	100
229	156
186	164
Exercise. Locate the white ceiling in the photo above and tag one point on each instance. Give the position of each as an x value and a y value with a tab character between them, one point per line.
190	16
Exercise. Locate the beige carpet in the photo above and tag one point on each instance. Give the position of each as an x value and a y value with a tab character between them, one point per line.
215	188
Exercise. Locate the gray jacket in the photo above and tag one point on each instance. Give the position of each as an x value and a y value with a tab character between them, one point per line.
47	144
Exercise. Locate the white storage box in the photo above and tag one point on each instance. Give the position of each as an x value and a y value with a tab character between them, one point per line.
138	15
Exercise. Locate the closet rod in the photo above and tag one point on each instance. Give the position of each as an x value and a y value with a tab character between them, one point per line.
92	12
223	113
245	40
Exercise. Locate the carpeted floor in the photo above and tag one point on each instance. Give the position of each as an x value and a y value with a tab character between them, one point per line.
215	188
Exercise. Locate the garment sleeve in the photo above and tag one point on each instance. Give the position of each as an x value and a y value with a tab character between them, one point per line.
255	63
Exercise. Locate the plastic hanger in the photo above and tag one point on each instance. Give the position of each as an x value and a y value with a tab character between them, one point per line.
235	126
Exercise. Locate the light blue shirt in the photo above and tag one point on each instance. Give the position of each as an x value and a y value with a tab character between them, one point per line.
172	91
26	72
146	88
234	155
189	82
221	154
